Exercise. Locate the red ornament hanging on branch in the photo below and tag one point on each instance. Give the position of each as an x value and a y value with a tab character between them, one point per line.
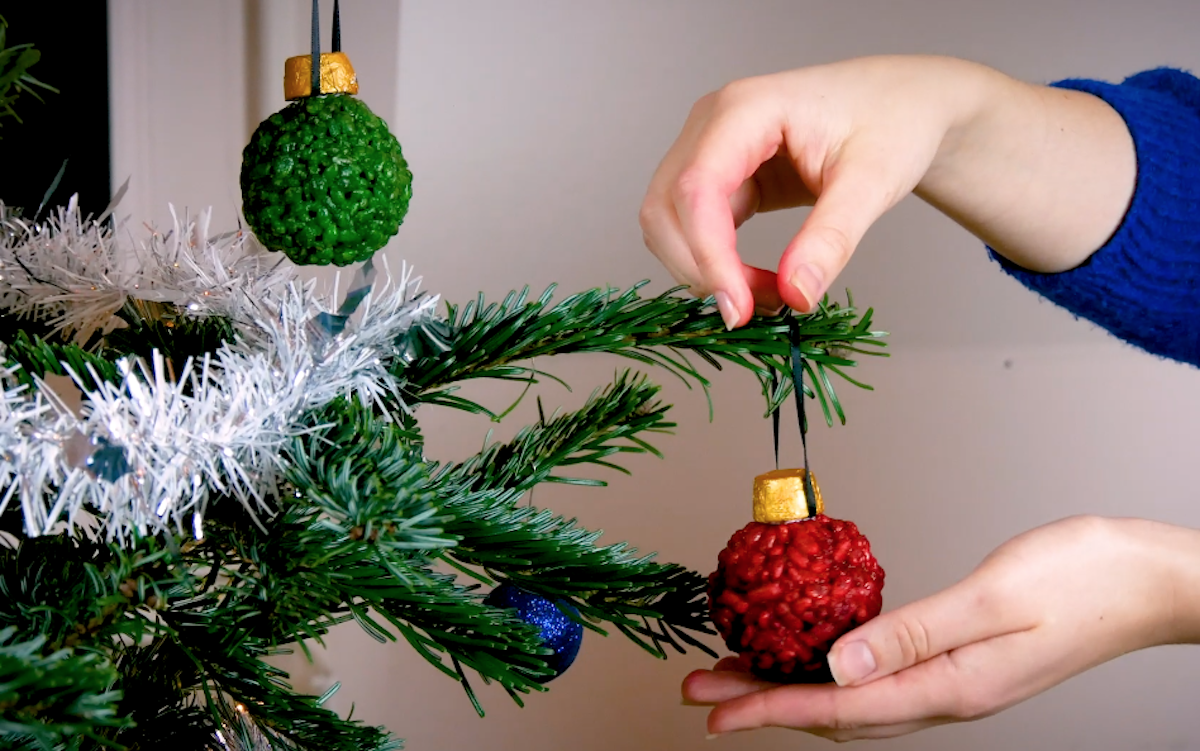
794	580
789	584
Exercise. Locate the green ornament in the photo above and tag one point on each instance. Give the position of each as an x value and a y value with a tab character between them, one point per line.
324	181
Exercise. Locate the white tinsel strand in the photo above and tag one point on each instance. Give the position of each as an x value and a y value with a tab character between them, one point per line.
216	426
79	273
18	411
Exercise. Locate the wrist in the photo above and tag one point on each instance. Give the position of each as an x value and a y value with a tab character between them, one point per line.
1169	559
1043	175
973	102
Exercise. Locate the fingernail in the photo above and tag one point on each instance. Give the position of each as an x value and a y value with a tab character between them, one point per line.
712	736
729	314
810	282
854	662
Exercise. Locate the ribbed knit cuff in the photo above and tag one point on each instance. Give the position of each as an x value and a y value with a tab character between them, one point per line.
1141	286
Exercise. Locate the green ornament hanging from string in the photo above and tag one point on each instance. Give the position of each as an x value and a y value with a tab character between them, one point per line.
323	180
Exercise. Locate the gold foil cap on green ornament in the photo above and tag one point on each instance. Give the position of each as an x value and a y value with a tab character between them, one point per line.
337	75
779	496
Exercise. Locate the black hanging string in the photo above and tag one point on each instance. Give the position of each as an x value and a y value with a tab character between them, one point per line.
337	28
775	417
810	493
316	48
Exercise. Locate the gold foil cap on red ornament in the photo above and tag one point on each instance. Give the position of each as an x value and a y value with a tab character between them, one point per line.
779	496
337	75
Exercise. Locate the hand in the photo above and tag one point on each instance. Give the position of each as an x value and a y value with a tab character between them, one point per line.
1043	175
1043	607
852	138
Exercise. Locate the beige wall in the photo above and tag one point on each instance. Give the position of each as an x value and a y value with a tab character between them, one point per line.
532	128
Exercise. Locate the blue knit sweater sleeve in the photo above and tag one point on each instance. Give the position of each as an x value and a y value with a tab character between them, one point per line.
1142	284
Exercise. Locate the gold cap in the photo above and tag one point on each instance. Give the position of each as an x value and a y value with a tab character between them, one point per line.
779	496
337	75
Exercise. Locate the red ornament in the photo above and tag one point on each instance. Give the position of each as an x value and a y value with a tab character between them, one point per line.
791	582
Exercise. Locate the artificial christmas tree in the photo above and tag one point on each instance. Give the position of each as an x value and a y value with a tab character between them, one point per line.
245	469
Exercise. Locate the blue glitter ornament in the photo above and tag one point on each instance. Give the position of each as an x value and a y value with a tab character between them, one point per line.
558	631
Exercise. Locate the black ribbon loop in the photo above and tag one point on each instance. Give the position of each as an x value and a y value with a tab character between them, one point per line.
810	493
337	28
316	40
316	48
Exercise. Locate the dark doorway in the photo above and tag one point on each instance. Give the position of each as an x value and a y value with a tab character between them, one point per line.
72	125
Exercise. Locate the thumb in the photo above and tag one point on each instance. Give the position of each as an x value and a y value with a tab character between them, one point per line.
850	202
917	632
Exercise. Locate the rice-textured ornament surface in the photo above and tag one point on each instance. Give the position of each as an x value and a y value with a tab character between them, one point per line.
785	591
324	181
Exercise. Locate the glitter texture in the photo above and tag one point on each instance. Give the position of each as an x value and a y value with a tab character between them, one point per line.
558	631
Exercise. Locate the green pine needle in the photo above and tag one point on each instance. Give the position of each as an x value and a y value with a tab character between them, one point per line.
162	636
15	79
493	340
48	697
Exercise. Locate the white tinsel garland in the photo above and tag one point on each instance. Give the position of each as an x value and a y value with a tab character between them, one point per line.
147	454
